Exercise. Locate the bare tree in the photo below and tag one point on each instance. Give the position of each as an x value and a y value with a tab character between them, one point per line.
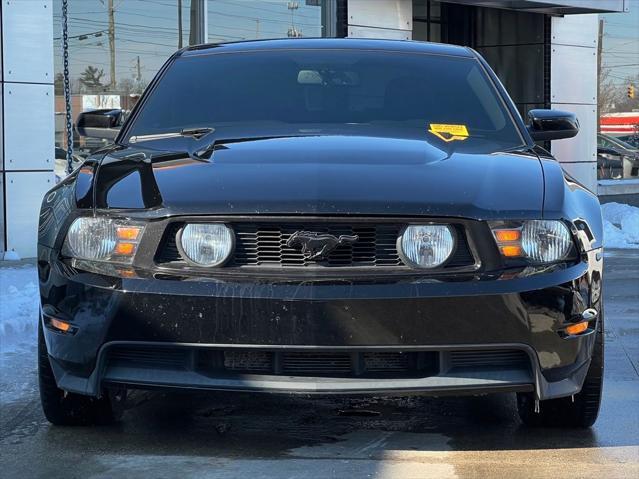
608	92
91	79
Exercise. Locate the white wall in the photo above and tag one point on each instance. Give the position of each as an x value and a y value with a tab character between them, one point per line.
26	119
573	87
391	19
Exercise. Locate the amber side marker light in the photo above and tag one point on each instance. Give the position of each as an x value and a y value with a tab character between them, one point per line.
577	328
129	234
60	325
512	251
125	248
504	236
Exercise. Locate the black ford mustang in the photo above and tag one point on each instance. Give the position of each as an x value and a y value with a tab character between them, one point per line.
323	216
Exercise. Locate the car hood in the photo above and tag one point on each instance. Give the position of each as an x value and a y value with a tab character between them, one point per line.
336	175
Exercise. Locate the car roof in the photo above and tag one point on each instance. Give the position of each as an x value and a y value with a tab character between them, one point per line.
408	46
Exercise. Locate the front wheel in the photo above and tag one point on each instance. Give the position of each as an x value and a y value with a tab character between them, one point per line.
68	409
580	410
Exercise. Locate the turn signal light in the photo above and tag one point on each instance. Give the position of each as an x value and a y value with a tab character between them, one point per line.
60	325
577	328
504	236
128	233
512	251
125	249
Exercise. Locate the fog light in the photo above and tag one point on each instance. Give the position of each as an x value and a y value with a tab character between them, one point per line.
426	246
206	244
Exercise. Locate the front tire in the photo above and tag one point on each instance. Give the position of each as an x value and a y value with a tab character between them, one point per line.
68	409
566	412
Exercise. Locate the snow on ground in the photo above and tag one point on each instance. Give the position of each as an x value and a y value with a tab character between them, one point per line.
18	305
621	225
18	330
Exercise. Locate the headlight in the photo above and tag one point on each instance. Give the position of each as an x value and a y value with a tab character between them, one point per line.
545	241
427	246
103	239
541	241
206	244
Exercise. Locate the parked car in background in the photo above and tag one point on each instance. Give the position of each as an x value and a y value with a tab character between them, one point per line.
617	143
632	140
615	158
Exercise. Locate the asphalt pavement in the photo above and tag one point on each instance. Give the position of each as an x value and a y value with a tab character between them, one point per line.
206	435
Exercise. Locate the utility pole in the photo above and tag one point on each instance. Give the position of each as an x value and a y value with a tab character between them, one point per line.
112	43
599	52
179	12
292	31
138	70
257	28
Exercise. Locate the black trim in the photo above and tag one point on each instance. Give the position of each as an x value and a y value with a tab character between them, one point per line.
341	19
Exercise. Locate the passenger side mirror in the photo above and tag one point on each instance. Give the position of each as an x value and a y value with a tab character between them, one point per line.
547	125
103	124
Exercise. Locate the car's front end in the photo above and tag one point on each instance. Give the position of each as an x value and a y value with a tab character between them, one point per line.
352	260
360	321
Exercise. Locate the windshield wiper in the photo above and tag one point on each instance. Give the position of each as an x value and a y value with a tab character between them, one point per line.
196	133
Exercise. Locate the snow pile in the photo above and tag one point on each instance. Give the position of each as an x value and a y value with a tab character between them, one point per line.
19	306
621	225
11	256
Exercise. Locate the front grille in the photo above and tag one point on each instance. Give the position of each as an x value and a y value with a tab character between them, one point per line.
489	357
288	363
322	363
168	358
316	363
264	245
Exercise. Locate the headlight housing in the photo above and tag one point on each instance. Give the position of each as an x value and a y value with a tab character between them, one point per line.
539	241
103	239
206	244
426	246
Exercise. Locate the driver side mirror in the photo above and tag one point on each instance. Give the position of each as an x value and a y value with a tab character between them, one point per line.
103	124
547	125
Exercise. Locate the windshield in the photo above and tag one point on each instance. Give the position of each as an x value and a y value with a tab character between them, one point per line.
442	99
621	143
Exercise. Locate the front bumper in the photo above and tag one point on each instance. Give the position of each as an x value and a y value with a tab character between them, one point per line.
437	317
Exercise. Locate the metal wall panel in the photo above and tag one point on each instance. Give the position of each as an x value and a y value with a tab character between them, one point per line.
27	32
1	127
573	73
573	87
2	220
367	32
582	147
392	14
584	173
577	30
25	191
28	126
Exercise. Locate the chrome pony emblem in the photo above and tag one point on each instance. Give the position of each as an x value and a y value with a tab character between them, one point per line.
317	245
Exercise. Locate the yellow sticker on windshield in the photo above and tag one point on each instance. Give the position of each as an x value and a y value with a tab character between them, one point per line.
449	132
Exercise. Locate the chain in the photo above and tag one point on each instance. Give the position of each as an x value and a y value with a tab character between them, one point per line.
67	90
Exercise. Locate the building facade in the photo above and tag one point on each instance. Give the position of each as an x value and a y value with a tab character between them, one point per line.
545	53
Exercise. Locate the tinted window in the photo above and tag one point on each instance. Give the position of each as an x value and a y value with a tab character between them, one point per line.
327	88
